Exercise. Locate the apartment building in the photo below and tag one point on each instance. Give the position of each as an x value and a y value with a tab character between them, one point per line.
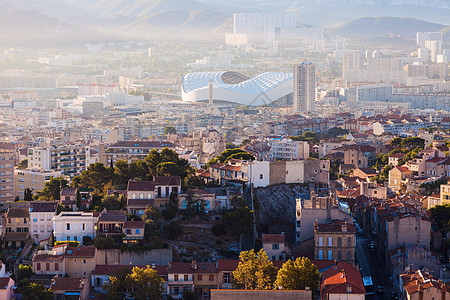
16	228
334	240
287	149
6	175
70	160
129	151
275	246
74	225
33	179
41	218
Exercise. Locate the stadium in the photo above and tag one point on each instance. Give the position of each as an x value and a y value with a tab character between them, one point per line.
236	88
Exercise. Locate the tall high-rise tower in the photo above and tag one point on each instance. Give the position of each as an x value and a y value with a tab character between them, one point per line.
304	87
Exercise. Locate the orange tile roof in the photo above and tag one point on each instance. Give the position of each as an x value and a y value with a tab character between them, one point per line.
337	279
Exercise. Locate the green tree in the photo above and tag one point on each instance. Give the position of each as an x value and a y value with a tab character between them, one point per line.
441	215
24	271
110	202
101	242
78	203
225	155
144	283
297	275
23	164
173	230
35	291
243	156
152	218
154	160
239	221
230	146
396	142
172	208
254	272
28	195
52	189
96	176
114	288
169	130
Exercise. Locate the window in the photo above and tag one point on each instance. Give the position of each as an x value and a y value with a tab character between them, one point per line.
42	228
349	241
128	231
98	282
200	277
349	255
339	255
49	217
275	246
320	241
261	176
68	238
138	231
330	241
175	277
47	266
42	217
211	277
339	242
273	257
176	290
38	266
35	228
159	191
167	191
49	228
68	226
84	226
186	277
320	254
330	254
84	261
56	267
226	277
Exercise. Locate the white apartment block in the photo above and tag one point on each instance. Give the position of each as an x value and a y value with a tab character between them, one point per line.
69	160
287	149
41	219
74	225
6	176
31	179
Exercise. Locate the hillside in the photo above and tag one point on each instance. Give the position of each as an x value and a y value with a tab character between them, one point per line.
368	27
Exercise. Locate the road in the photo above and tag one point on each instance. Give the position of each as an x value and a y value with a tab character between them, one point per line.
369	265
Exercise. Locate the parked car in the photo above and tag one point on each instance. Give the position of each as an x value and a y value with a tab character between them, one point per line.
380	289
372	247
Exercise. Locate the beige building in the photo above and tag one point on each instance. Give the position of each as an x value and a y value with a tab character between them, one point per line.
445	193
41	219
397	176
420	286
16	228
80	261
275	246
31	179
75	286
6	175
334	240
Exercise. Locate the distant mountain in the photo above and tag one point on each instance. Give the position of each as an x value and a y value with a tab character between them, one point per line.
364	28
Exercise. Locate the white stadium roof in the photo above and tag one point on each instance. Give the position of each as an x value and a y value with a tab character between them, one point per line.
233	87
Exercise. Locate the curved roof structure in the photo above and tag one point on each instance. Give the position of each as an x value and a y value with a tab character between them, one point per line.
234	87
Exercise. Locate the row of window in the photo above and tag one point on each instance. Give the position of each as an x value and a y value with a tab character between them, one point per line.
330	255
339	241
47	266
49	228
41	217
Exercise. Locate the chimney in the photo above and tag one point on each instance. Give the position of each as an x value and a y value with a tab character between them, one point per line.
420	290
194	265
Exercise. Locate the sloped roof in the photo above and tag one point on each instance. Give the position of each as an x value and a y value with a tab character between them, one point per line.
273	238
167	180
141	185
21	212
68	283
337	279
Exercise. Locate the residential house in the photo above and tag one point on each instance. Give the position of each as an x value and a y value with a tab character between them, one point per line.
6	288
86	198
80	261
445	194
110	224
393	159
206	278
438	167
49	262
74	225
418	285
199	197
16	228
180	277
41	217
133	232
397	176
360	156
334	240
74	288
68	198
226	267
275	246
342	281
364	173
373	190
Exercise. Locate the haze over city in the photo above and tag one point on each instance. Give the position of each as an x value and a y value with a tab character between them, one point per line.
192	149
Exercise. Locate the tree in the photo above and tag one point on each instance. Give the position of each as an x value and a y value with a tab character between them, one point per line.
441	215
241	155
144	283
154	160
114	288
152	218
23	164
96	176
254	272
230	146
110	202
167	169
24	271
28	195
225	155
297	275
169	130
239	221
189	295
78	203
173	230
52	189
35	291
171	211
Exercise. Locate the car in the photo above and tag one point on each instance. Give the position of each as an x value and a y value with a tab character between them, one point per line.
380	289
372	247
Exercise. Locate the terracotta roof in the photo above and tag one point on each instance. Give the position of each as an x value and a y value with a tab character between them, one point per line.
4	281
167	180
140	202
48	257
322	264
334	226
46	206
141	185
227	264
87	251
436	159
192	267
68	191
403	169
113	216
413	282
397	155
273	238
133	224
337	279
68	283
18	213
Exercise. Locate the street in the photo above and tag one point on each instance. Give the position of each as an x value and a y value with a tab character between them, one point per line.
370	266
